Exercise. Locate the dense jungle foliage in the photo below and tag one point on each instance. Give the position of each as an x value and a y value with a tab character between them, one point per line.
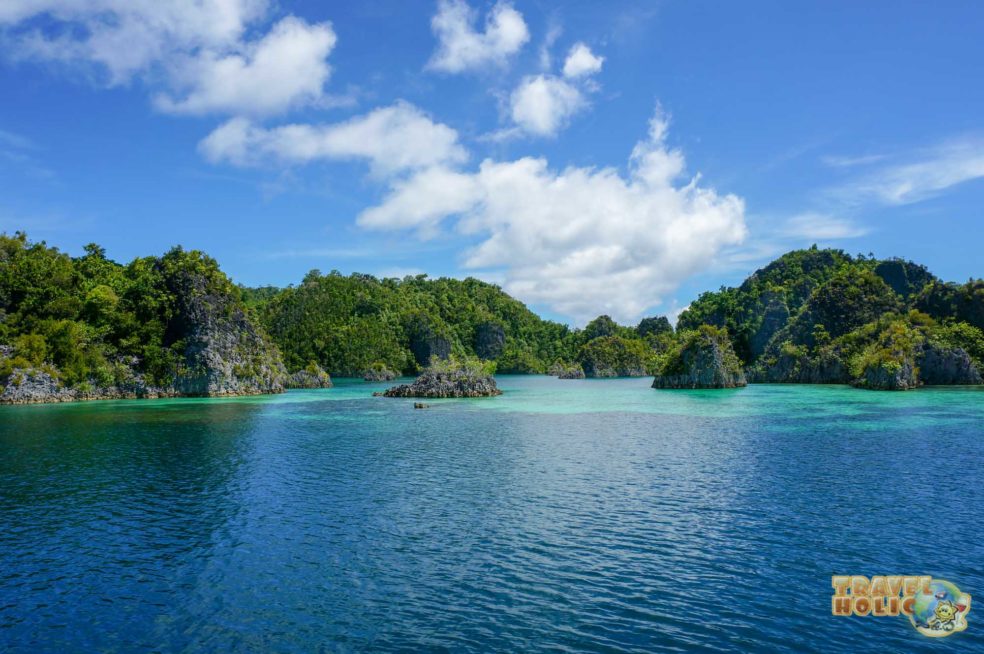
90	320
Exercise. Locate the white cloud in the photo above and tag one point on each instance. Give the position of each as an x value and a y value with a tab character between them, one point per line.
461	47
194	49
822	227
582	241
129	36
835	161
543	104
581	62
924	175
392	139
553	33
286	67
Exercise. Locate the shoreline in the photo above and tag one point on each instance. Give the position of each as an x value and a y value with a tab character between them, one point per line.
164	395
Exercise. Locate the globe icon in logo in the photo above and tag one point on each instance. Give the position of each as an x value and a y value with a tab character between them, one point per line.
941	611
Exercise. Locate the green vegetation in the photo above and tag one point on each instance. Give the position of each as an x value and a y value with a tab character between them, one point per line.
89	321
468	366
823	316
615	356
700	358
812	315
350	324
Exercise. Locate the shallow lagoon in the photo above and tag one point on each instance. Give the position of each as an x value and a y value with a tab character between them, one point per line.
575	515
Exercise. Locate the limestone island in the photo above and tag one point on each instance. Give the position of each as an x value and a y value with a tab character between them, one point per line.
312	376
378	372
562	370
704	358
451	378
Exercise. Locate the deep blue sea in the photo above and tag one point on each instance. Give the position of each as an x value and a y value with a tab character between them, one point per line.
563	516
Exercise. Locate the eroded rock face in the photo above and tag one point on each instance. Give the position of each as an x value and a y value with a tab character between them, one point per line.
573	372
35	386
787	369
29	386
949	366
312	377
490	339
379	375
705	360
447	384
426	345
775	317
892	376
225	353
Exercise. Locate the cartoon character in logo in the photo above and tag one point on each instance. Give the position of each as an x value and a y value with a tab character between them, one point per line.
941	611
943	615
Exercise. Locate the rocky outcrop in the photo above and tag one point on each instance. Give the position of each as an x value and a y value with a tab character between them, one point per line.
570	372
613	356
39	386
774	317
894	375
563	370
490	339
704	359
453	383
220	352
379	374
30	386
311	377
225	354
940	365
426	344
793	368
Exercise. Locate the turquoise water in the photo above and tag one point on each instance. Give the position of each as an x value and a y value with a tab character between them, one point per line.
563	516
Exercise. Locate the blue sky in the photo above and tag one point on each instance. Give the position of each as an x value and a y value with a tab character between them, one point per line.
615	157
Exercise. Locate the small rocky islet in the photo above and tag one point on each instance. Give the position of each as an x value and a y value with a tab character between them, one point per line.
703	359
445	380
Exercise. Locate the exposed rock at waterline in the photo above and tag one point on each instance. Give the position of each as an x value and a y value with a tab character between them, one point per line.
379	374
454	383
311	377
704	359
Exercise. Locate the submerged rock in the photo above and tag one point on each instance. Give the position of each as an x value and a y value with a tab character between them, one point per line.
447	383
311	377
704	359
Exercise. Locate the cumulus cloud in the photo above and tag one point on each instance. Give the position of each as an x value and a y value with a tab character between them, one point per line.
392	139
461	47
286	67
197	48
544	104
580	240
581	62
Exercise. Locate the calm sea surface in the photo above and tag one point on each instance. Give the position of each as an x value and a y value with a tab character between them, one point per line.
564	516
